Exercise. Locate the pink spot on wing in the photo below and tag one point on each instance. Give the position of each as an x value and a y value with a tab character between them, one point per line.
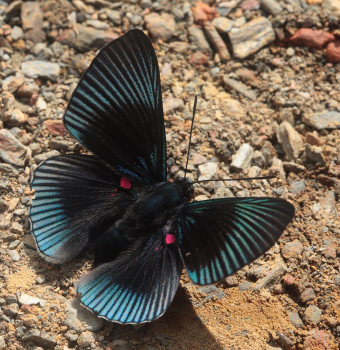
125	183
114	193
156	249
170	238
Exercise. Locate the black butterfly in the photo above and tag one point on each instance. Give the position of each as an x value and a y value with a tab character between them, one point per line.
142	228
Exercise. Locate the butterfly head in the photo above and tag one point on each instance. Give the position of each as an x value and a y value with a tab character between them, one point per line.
185	188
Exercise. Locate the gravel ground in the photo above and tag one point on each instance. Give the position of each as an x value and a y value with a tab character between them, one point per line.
267	77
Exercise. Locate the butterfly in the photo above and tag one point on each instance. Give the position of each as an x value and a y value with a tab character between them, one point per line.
142	228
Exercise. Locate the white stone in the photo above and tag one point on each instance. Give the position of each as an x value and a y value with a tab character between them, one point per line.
242	158
41	69
25	299
207	170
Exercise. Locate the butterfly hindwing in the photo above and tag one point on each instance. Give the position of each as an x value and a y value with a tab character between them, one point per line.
220	236
72	195
116	109
138	286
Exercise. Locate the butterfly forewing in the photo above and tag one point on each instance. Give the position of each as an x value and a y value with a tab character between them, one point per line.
116	109
220	236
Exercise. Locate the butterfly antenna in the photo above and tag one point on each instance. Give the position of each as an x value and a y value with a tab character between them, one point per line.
239	179
192	125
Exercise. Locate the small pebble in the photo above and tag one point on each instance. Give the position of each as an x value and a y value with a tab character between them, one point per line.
292	249
85	339
313	314
296	320
307	295
245	286
241	160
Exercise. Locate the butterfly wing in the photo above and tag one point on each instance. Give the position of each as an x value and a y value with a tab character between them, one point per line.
138	286
72	200
116	109
220	236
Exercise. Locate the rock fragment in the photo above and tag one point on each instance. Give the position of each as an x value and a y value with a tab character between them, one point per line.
222	24
15	256
44	156
313	154
13	9
207	170
290	140
85	339
277	168
273	275
114	16
14	117
179	46
32	21
297	187
17	33
80	319
225	7
40	338
296	319
83	38
328	204
313	314
242	158
333	51
25	299
3	344
41	69
325	120
55	126
314	39
203	13
199	58
285	341
307	295
196	36
292	249
243	89
271	6
11	150
319	340
251	37
161	26
217	42
172	104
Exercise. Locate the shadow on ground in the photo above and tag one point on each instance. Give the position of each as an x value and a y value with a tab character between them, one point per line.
180	328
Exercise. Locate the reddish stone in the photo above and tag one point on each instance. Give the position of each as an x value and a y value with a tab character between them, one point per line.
319	340
314	39
27	89
313	139
330	251
203	13
32	19
250	5
333	51
288	280
199	58
55	127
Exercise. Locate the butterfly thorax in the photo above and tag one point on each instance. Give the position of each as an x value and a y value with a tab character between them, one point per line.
154	206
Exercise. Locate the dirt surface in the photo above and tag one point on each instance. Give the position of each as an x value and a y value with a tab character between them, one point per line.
279	105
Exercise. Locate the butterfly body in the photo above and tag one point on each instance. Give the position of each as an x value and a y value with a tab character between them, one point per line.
117	202
151	208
